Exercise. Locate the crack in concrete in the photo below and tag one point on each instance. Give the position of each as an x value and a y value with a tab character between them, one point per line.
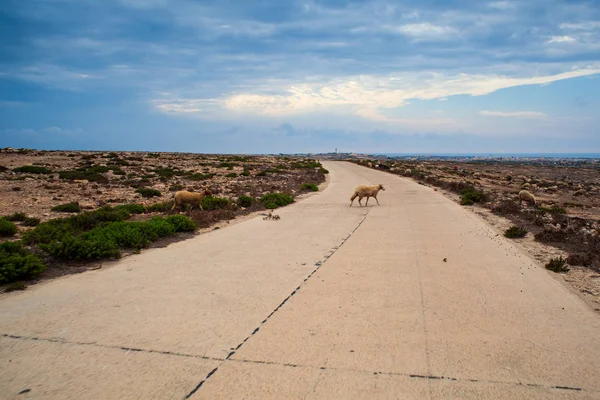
318	265
289	365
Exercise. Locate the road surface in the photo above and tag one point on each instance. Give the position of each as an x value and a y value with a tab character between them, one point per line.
329	302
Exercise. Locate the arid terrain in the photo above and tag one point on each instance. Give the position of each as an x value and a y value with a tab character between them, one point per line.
565	222
33	183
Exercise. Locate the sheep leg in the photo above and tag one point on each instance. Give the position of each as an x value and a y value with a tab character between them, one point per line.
367	203
377	201
360	201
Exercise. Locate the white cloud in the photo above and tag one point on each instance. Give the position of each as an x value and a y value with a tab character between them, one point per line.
425	30
514	114
581	26
183	106
501	5
364	95
561	39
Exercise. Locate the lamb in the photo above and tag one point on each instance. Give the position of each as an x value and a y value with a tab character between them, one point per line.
366	191
184	197
408	172
528	197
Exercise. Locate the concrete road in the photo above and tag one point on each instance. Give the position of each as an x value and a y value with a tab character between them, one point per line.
329	302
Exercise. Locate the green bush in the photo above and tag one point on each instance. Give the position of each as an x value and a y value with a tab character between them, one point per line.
92	173
33	169
471	196
309	186
68	207
515	232
231	175
148	192
323	171
214	203
245	201
275	200
200	177
181	223
552	210
131	208
160	207
31	221
106	241
16	263
7	228
245	173
16	217
557	264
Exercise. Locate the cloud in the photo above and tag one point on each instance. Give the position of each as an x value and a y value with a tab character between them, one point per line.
581	26
427	31
364	94
514	114
561	39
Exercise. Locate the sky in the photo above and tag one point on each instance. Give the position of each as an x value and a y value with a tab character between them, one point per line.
287	76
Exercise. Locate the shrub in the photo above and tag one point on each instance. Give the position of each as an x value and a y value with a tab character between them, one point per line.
68	207
16	217
323	170
33	169
11	287
160	207
245	201
471	196
92	173
552	210
231	175
131	208
245	173
507	207
175	187
16	263
148	192
7	228
167	173
181	223
515	232
275	200
31	221
309	186
557	264
200	177
214	203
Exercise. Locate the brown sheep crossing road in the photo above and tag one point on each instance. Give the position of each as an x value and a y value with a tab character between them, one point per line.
329	302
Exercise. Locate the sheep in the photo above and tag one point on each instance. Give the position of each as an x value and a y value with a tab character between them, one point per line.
184	197
528	197
366	191
408	172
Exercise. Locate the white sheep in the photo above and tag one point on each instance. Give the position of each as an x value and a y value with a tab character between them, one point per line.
408	172
366	191
184	197
526	196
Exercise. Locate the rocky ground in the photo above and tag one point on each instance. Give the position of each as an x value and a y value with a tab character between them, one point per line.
564	223
33	182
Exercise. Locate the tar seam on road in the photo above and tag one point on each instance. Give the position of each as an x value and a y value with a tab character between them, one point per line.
289	365
318	265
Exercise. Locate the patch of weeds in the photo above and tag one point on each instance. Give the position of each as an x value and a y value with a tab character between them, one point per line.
148	192
7	228
167	173
181	223
245	173
175	187
558	265
227	165
507	207
323	171
153	155
31	221
471	196
160	207
33	169
245	201
275	200
200	177
231	175
91	173
131	208
17	263
214	203
68	207
552	210
18	216
515	232
309	186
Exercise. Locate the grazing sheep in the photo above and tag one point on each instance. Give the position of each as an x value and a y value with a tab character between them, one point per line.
528	197
366	191
184	197
408	172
